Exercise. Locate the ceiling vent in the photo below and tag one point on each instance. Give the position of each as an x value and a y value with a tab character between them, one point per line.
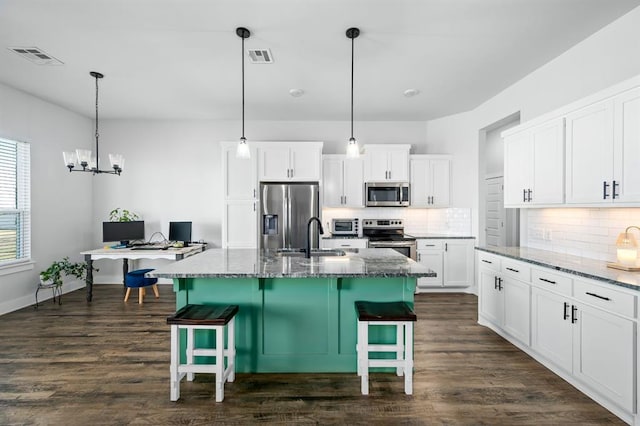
35	55
260	56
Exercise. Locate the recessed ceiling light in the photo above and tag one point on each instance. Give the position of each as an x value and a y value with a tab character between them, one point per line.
296	93
409	93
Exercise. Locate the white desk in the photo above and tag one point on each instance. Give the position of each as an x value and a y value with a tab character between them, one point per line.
129	253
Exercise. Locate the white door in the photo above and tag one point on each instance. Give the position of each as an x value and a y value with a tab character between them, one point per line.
495	235
517	298
491	299
604	353
458	263
240	224
398	162
420	190
274	163
627	146
353	182
305	163
551	329
590	154
518	169
440	182
548	163
332	182
432	259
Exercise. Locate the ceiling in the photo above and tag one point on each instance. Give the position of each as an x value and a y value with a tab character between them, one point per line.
180	59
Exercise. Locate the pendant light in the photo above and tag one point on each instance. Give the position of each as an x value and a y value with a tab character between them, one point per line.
353	151
84	157
243	149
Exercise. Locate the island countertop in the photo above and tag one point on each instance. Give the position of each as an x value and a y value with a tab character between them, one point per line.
252	263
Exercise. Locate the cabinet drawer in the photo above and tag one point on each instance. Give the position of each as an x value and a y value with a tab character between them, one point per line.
344	243
516	269
605	298
430	244
544	279
486	260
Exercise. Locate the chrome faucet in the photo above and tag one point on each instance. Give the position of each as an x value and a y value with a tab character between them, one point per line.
308	252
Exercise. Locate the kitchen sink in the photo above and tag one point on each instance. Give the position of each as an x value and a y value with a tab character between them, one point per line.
314	252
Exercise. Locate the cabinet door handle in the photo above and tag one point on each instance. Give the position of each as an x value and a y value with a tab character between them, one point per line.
345	245
486	261
419	257
446	246
291	172
598	296
574	316
615	194
345	199
529	195
524	195
430	245
565	315
254	193
547	281
254	207
495	283
513	270
605	185
389	174
499	284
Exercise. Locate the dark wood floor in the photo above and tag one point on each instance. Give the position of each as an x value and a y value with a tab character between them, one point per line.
108	363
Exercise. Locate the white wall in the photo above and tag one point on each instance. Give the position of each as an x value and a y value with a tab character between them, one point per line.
60	201
606	58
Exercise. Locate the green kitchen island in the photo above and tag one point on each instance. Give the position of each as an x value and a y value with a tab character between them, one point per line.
296	314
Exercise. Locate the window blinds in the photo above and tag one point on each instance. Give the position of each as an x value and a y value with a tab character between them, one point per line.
15	202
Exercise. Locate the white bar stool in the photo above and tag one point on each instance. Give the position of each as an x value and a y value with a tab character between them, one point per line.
203	317
398	314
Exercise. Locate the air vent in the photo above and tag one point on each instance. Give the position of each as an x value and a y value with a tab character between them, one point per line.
260	56
35	55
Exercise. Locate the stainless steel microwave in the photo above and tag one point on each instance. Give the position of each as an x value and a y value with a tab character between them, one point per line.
386	194
345	227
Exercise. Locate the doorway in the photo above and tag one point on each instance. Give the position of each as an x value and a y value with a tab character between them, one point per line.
499	227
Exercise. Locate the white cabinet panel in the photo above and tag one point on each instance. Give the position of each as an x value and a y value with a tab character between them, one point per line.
627	146
458	263
240	224
332	181
432	259
491	300
239	174
518	168
353	185
305	162
290	161
430	181
275	163
517	299
343	181
398	165
386	163
551	327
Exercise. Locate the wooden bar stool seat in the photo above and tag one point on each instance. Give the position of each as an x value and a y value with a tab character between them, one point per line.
398	314
221	320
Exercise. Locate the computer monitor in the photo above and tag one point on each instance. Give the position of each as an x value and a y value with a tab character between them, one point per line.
123	231
180	231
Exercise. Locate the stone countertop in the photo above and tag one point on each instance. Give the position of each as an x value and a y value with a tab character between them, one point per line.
575	265
438	236
252	263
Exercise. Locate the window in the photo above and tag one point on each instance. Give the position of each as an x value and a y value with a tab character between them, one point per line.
15	202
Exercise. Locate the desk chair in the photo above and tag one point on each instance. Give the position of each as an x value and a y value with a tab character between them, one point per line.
136	279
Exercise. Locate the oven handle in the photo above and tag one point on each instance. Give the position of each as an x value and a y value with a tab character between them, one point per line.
391	244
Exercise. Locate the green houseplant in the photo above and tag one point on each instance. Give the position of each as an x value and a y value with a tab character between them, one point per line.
122	215
53	274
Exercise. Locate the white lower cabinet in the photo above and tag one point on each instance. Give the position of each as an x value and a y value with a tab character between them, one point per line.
344	243
584	330
451	259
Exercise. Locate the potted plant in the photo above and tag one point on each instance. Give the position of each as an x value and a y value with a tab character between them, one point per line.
122	215
53	274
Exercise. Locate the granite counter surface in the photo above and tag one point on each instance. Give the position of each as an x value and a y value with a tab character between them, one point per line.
251	263
575	265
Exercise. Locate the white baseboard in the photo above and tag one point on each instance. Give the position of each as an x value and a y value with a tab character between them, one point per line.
43	295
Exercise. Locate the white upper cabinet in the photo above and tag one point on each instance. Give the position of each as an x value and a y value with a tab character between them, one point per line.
290	161
603	147
590	154
430	180
343	183
534	165
626	146
386	163
239	179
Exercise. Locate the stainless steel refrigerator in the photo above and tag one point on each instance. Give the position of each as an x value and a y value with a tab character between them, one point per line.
285	212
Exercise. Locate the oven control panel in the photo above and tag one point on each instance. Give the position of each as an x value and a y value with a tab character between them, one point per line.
383	223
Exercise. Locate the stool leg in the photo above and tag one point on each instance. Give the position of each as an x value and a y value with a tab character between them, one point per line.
126	296
408	358
155	291
140	295
399	346
175	360
358	350
189	352
231	349
364	356
220	363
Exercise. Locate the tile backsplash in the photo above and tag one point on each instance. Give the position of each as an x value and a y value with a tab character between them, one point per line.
582	232
455	221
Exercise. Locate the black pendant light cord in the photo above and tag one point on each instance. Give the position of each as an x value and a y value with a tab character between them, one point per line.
352	39
97	133
242	87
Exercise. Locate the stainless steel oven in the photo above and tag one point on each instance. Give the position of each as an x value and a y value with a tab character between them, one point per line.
389	233
386	194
